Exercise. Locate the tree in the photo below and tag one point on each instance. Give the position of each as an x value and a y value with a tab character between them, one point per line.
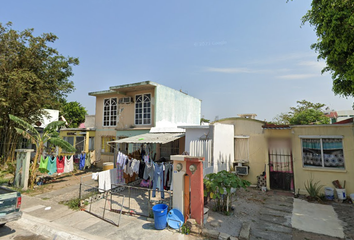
49	134
304	113
204	120
33	76
74	113
333	21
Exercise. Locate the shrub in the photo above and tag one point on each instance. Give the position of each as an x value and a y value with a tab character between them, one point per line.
313	189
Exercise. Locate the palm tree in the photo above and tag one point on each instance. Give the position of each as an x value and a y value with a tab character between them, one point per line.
49	135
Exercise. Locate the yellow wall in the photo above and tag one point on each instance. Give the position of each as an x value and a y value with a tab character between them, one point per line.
258	157
64	133
325	176
127	116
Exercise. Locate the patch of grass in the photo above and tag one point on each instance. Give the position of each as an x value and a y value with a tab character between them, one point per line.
73	204
45	198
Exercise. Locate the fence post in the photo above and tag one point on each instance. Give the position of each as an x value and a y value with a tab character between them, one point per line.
80	188
129	191
149	203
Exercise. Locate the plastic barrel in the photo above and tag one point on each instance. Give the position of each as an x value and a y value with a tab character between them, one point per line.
341	194
329	193
107	166
160	215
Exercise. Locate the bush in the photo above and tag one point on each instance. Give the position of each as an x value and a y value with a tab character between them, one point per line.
219	186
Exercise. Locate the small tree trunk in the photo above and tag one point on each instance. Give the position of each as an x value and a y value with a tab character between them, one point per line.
35	161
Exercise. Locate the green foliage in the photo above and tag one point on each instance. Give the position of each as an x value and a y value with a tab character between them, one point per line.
74	113
185	229
313	189
221	183
49	135
33	76
204	120
333	21
304	113
73	204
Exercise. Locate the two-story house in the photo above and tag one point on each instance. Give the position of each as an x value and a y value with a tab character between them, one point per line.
133	109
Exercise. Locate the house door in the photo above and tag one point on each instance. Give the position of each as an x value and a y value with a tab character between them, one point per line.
280	164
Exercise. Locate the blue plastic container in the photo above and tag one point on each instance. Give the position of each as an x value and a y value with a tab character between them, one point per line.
175	219
160	215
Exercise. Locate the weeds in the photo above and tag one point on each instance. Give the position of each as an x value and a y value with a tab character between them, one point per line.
73	204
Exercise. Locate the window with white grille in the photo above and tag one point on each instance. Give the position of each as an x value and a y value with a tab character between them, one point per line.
110	107
143	109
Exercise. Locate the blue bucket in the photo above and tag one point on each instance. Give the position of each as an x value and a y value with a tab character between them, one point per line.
160	215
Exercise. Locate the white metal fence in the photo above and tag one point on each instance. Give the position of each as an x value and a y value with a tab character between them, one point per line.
203	148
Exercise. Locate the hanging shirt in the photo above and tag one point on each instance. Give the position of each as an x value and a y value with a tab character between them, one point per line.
43	165
135	166
68	164
158	180
149	171
52	165
60	164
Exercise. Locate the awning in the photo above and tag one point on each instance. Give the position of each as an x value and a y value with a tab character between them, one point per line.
161	138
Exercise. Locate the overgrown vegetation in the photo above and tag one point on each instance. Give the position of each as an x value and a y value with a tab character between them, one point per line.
219	187
313	190
73	204
185	229
33	76
49	134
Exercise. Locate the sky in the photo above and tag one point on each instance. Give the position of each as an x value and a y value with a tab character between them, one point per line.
236	56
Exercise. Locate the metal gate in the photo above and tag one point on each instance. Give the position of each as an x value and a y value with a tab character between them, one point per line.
280	164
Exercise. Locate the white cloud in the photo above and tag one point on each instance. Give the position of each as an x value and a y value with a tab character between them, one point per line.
298	76
317	65
229	70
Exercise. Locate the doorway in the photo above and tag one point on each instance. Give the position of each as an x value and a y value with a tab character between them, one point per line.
280	164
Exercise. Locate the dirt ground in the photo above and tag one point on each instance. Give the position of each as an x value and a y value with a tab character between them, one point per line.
247	203
56	182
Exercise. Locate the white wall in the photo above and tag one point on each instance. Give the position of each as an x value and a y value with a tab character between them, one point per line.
223	149
193	134
53	115
176	108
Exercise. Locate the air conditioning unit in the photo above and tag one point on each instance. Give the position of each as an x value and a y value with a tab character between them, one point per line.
125	100
241	170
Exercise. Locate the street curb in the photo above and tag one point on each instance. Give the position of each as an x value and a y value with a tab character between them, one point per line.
53	230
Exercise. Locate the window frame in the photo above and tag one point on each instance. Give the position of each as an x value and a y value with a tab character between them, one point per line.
110	115
142	109
322	167
103	144
237	137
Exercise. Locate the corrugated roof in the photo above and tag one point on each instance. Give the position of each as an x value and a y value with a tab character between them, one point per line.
161	138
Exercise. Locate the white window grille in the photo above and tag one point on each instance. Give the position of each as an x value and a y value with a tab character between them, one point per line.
143	109
110	112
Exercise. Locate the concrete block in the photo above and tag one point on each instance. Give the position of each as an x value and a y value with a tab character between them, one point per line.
210	233
245	231
223	236
233	238
193	226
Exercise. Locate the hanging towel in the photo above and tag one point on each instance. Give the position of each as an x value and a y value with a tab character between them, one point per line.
69	164
141	169
93	156
82	161
60	164
43	165
52	165
88	161
106	179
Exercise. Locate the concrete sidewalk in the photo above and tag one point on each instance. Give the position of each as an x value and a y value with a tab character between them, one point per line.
56	221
